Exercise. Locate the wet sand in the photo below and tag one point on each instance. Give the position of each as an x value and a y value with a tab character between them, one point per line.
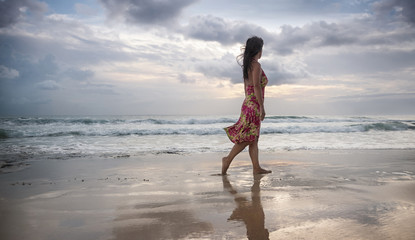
368	194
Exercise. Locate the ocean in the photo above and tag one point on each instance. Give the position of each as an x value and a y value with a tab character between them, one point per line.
63	137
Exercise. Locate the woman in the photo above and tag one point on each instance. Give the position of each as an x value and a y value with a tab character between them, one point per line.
245	132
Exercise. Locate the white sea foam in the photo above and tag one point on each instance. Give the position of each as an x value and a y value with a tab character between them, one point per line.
129	135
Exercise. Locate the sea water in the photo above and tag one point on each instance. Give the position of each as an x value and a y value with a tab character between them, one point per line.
59	137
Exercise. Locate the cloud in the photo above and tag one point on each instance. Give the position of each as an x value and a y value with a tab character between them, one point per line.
377	96
48	85
27	71
392	103
97	89
279	72
69	41
185	79
146	12
85	10
225	67
363	30
401	9
12	11
366	62
361	47
226	32
8	73
79	74
315	35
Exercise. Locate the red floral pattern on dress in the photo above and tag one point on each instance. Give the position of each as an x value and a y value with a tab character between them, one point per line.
246	129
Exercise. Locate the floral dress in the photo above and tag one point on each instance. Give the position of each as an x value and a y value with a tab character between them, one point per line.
246	129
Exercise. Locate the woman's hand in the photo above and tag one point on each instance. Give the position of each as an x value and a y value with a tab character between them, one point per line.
262	113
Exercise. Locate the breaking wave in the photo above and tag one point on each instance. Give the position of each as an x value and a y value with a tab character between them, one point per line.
78	127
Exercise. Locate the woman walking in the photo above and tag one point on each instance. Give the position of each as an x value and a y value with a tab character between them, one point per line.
245	132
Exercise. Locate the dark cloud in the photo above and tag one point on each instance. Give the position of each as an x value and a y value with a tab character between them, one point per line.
224	67
361	31
210	28
279	74
12	11
146	11
364	32
320	34
404	9
290	38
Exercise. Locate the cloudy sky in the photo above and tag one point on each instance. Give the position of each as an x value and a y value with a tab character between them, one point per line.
179	56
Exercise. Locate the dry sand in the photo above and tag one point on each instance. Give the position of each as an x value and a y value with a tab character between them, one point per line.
310	195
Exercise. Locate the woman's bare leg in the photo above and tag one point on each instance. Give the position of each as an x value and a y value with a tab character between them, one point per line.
236	149
253	153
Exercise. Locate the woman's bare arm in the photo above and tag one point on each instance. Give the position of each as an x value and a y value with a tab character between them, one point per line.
245	86
256	74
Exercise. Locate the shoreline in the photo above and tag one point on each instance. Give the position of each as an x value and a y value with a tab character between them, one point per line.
313	194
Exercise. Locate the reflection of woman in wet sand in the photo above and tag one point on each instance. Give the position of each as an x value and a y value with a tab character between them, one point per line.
250	212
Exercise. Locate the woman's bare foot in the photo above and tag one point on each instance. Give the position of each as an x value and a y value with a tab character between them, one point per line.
225	165
262	171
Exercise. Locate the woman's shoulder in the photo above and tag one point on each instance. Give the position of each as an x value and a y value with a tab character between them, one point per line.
255	65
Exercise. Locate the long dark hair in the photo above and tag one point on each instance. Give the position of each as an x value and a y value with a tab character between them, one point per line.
252	47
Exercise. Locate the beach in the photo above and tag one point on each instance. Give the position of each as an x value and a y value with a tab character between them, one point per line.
311	194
